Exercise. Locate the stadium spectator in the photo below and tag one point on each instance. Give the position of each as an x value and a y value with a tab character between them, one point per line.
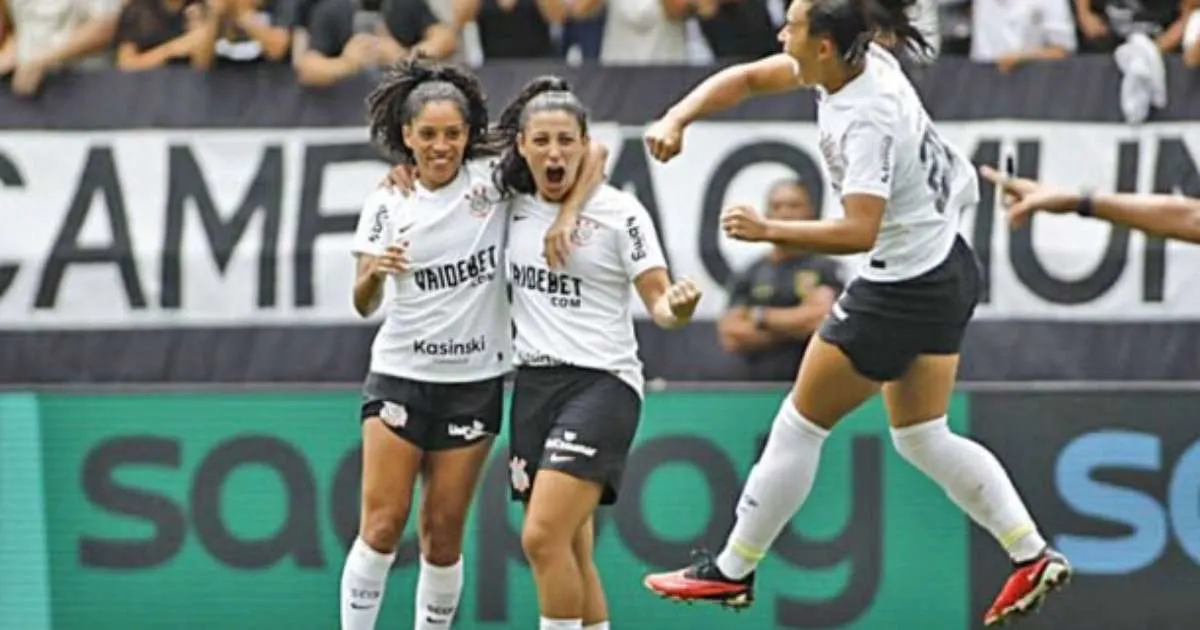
583	32
45	35
347	37
8	44
1011	32
738	29
1191	36
255	30
514	29
1106	24
649	31
153	33
777	303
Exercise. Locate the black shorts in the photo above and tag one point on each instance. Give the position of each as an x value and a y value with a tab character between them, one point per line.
574	420
883	326
435	416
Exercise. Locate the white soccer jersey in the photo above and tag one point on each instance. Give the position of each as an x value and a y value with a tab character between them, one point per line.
581	315
446	319
877	139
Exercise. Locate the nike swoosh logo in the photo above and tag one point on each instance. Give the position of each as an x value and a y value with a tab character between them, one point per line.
519	217
361	606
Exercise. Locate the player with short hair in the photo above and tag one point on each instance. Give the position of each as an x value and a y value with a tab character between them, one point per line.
433	400
578	394
898	326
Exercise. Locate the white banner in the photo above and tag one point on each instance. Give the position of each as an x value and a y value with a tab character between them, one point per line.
252	227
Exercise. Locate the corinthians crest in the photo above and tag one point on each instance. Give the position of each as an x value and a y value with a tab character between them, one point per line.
481	199
585	229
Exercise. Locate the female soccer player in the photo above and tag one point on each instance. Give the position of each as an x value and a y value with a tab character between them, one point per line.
898	325
432	402
578	394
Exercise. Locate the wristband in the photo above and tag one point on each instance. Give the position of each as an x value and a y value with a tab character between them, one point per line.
1086	207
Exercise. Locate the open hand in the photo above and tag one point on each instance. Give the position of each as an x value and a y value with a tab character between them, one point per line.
394	260
1023	197
401	178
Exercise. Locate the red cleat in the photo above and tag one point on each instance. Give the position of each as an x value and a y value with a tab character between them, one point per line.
703	581
1028	587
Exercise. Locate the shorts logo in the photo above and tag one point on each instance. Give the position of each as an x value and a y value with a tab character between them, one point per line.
585	229
567	444
394	415
558	459
470	432
519	478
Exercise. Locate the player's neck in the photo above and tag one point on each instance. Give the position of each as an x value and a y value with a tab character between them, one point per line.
840	77
432	185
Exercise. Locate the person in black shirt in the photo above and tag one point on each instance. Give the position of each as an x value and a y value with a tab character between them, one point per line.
777	303
255	30
344	39
1105	24
513	29
153	33
738	29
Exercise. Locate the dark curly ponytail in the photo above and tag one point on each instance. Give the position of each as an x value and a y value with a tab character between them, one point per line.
413	83
545	93
854	24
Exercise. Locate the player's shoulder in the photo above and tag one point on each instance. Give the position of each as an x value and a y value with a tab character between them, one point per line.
610	201
383	200
481	169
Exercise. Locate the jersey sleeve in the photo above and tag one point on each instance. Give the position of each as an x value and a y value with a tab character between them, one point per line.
374	224
640	247
869	153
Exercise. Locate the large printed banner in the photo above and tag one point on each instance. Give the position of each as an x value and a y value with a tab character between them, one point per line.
229	228
181	512
233	511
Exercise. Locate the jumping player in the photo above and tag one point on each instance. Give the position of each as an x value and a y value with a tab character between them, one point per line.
578	394
898	326
432	402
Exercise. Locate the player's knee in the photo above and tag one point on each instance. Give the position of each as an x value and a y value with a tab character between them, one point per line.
541	542
382	527
441	536
911	441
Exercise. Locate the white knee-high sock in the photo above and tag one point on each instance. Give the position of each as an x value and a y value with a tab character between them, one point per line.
438	592
975	481
363	579
778	485
599	625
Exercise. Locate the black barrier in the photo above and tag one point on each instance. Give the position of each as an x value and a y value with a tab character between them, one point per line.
1114	481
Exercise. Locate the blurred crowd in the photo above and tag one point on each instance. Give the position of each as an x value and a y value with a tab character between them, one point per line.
326	41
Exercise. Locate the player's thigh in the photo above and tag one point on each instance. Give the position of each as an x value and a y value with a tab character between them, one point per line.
828	387
923	393
450	479
390	466
558	506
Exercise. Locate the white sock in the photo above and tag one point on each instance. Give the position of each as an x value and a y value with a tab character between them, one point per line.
438	591
363	579
778	485
975	480
560	624
599	625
